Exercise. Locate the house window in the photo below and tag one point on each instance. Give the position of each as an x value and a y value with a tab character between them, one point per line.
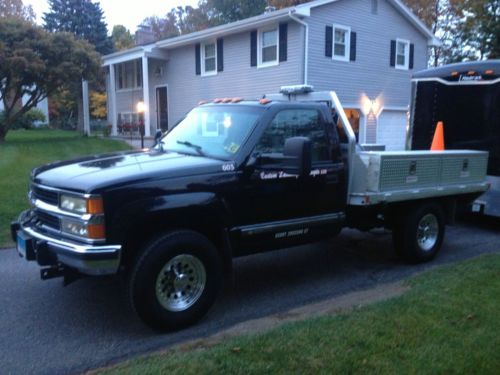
129	75
341	42
268	47
209	59
402	54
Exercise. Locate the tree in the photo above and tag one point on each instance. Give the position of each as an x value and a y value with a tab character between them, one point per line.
121	37
225	11
98	104
16	8
163	28
36	64
481	28
83	18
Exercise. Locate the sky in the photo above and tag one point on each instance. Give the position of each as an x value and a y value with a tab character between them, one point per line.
120	12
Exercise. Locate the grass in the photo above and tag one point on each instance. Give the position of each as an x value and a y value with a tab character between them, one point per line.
24	150
447	323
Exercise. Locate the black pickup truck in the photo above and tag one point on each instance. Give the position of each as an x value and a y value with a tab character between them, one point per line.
232	178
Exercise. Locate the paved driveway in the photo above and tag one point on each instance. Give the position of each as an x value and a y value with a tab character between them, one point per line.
48	329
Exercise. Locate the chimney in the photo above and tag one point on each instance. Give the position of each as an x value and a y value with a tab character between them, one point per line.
269	9
144	35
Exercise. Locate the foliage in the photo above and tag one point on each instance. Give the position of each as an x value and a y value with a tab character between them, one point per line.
481	28
16	8
98	104
36	64
469	29
27	120
121	38
225	11
83	18
25	150
446	324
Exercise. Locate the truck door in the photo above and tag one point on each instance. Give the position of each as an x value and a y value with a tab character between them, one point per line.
278	208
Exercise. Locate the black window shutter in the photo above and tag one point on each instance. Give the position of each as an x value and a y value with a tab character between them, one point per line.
328	41
412	51
253	48
393	53
198	58
220	55
283	41
352	52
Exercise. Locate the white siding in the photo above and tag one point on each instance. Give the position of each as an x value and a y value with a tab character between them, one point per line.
186	89
371	73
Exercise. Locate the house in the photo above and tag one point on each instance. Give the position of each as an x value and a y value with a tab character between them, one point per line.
365	50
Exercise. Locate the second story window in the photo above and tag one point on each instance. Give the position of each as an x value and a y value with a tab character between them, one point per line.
402	54
129	75
209	59
268	47
341	42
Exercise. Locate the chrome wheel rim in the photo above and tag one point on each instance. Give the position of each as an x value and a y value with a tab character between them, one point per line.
427	232
180	282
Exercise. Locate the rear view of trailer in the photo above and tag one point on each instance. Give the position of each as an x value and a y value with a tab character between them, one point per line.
466	98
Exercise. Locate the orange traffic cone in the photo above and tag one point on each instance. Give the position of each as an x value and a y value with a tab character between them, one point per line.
438	140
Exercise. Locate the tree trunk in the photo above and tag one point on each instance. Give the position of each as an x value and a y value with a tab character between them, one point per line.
3	133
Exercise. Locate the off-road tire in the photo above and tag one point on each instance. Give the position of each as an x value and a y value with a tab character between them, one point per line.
419	232
148	273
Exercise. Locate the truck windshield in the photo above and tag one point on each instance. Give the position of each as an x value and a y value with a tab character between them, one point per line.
214	131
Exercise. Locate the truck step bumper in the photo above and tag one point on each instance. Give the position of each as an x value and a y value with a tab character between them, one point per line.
48	251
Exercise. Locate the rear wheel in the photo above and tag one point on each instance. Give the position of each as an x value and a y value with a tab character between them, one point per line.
418	235
175	280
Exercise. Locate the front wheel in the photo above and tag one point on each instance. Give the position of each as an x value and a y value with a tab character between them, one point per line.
175	280
419	233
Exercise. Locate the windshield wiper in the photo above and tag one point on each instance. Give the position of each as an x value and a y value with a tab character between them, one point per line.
198	148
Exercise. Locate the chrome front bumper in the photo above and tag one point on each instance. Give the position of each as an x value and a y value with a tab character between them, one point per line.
88	259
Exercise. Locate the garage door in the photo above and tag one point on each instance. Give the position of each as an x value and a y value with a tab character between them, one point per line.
391	130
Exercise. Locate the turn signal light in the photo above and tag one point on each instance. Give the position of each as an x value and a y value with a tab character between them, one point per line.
96	231
95	206
265	101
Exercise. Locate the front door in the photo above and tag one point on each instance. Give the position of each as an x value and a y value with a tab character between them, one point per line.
162	108
279	209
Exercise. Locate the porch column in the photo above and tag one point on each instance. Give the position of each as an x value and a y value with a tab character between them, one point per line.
145	90
112	100
86	114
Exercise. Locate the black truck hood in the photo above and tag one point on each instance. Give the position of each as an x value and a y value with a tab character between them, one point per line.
96	172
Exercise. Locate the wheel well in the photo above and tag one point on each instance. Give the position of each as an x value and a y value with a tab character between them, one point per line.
154	227
393	211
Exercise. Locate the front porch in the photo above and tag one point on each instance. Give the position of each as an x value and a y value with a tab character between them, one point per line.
137	91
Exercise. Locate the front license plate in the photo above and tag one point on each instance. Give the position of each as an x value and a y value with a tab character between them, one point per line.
21	245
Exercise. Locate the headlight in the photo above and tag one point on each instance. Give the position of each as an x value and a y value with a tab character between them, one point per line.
80	205
73	204
81	229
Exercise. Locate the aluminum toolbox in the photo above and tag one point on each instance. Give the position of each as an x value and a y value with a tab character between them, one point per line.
393	176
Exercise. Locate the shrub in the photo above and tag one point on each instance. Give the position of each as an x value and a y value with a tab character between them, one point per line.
28	120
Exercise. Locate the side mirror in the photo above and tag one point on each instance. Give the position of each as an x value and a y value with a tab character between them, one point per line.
158	136
295	159
298	156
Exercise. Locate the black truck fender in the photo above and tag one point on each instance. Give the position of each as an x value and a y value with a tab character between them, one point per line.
139	221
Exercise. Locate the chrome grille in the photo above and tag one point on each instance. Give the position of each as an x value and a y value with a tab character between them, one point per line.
48	220
45	195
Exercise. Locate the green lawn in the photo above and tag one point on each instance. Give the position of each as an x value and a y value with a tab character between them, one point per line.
24	150
447	323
